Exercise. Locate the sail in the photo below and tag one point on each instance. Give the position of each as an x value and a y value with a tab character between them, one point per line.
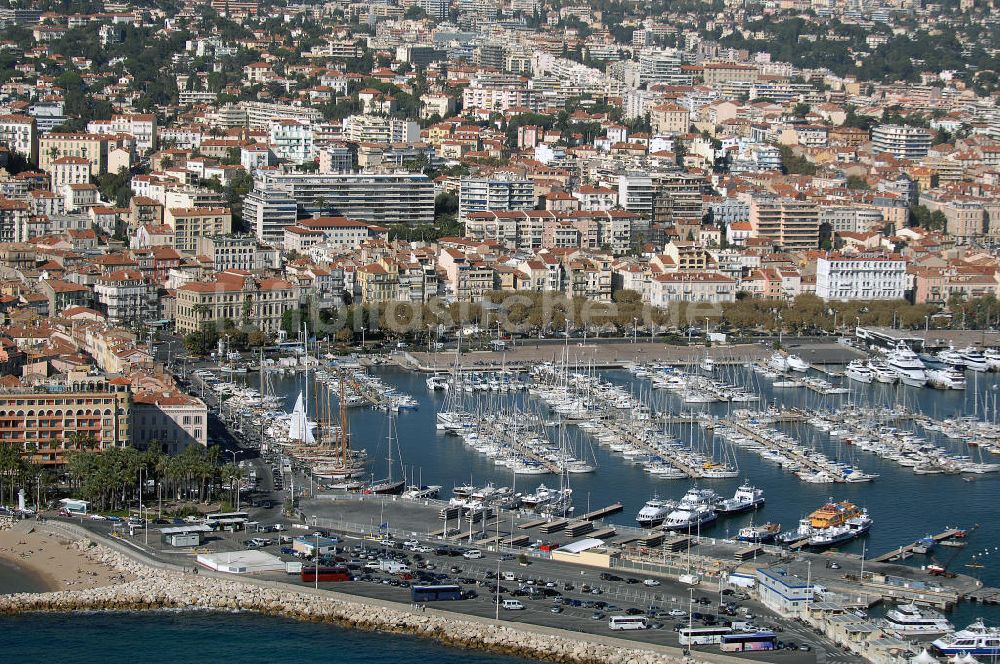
299	428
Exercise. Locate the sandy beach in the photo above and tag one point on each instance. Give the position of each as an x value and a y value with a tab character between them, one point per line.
38	562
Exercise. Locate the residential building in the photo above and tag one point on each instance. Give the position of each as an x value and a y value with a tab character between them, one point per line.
901	141
692	286
494	194
670	119
268	212
292	140
791	224
126	298
92	147
191	224
68	170
20	134
236	296
237	252
142	126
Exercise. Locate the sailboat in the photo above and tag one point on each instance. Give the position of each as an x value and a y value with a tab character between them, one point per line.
389	485
300	429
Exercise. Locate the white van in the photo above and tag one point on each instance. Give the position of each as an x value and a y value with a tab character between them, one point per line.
508	576
473	554
513	605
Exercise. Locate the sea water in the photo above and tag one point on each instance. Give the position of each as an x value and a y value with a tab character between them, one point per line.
178	637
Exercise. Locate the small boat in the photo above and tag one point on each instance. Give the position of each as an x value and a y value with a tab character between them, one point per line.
796	363
977	640
759	534
953	543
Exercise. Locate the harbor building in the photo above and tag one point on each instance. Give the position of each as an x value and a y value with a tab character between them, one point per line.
784	594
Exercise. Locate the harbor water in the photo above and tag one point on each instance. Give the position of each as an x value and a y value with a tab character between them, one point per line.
168	637
904	506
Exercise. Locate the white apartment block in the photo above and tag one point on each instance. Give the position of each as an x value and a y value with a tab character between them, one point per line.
861	277
140	125
292	140
20	134
380	129
69	170
901	141
494	194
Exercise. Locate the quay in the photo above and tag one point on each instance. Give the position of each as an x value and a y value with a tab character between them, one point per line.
897	553
766	442
985	595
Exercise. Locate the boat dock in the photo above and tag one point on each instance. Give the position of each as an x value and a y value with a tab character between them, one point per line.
985	595
671	459
903	550
801	459
614	508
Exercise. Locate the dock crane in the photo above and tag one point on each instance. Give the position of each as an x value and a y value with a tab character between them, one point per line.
938	568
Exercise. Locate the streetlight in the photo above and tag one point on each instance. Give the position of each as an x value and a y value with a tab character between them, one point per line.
362	337
635	329
236	480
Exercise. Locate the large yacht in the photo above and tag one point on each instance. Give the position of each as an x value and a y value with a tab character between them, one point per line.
882	373
778	362
695	509
974	359
976	639
745	499
654	512
946	379
952	358
859	371
907	365
796	363
911	620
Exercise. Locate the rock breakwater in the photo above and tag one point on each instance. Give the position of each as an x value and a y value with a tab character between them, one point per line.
153	588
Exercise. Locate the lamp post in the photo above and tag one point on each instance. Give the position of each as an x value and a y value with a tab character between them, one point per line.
635	329
236	481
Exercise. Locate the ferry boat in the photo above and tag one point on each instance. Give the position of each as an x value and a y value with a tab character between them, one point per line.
695	509
759	534
859	371
977	640
745	499
907	365
911	620
707	364
974	359
834	514
654	512
852	529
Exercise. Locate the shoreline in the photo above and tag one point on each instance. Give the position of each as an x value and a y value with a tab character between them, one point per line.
16	577
155	588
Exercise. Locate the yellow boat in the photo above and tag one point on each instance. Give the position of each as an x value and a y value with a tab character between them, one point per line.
834	514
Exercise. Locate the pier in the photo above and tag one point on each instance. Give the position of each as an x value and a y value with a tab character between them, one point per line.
804	461
693	473
901	551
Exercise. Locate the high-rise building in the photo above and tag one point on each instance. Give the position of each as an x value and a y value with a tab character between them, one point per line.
901	141
494	194
793	225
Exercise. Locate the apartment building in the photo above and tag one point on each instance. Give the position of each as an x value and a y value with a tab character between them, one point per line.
236	296
670	119
793	225
142	126
20	134
166	418
191	224
53	419
692	286
499	193
380	129
126	298
339	233
536	229
92	147
381	198
68	170
861	277
901	141
268	213
292	140
237	252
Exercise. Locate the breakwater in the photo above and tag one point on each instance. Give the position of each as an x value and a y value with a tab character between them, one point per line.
158	588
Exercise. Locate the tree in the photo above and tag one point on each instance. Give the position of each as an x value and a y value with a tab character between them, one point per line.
856	182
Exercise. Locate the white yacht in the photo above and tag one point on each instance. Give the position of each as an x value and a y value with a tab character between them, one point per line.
911	620
946	379
992	356
974	359
882	373
859	371
745	499
437	382
778	362
694	510
907	365
952	358
707	364
796	363
654	512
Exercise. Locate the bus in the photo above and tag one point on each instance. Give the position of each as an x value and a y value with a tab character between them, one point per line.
227	520
627	622
336	573
748	642
436	593
702	635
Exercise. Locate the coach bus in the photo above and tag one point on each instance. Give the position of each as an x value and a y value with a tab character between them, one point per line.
627	622
312	574
700	636
748	642
227	520
436	593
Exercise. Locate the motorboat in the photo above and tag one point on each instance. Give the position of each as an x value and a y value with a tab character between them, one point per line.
882	373
974	359
946	379
437	382
707	364
759	534
796	363
907	365
992	356
859	371
952	358
654	512
746	499
912	620
778	362
977	640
